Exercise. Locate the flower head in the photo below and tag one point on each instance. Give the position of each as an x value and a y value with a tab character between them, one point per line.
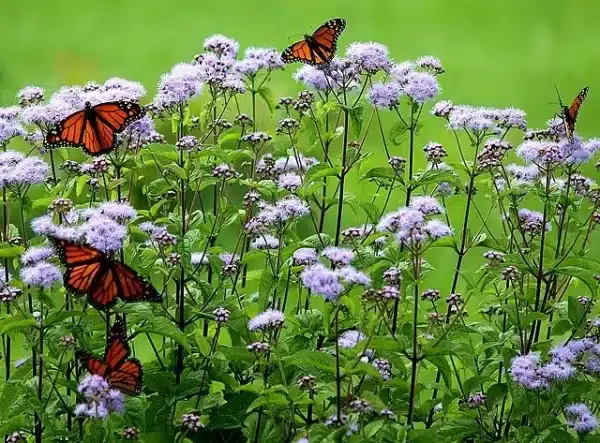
369	57
430	63
426	205
351	276
580	418
100	400
526	371
322	281
266	321
41	274
385	95
338	256
104	234
36	254
119	212
221	46
304	257
179	86
350	339
421	86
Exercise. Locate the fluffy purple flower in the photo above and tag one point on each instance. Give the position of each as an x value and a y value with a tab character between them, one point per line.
426	205
541	152
531	221
221	46
30	95
351	276
179	86
421	86
248	67
350	339
385	95
292	207
229	259
512	118
141	133
304	257
402	219
576	151
471	118
526	371
30	171
338	256
401	71
41	274
104	233
369	57
261	58
442	109
313	77
265	241
100	400
10	129
436	229
119	212
268	320
213	69
199	258
36	254
322	281
523	174
559	371
430	63
293	164
289	182
580	418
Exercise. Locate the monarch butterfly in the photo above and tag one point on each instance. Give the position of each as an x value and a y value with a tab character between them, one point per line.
569	114
316	49
94	128
120	371
102	279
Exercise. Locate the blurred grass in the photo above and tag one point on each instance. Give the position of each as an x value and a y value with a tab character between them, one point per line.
507	53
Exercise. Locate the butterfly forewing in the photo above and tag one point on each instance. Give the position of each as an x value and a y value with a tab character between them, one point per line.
570	114
132	286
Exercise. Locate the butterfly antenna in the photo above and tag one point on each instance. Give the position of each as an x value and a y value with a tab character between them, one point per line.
558	94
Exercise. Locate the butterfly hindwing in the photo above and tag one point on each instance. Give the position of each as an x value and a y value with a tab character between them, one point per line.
132	286
95	129
317	49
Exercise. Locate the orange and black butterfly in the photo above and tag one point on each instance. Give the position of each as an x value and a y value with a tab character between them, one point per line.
104	280
120	371
316	49
94	128
569	114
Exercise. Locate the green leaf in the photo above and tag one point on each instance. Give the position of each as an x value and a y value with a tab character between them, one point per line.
81	184
267	95
397	131
357	115
16	323
585	275
58	317
178	171
495	393
577	311
164	327
561	326
314	359
379	172
10	251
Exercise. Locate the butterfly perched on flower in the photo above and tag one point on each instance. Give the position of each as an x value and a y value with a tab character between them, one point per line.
569	114
104	280
120	371
318	48
94	128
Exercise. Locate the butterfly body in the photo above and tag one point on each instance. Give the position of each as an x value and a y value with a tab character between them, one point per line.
95	128
104	280
120	371
316	49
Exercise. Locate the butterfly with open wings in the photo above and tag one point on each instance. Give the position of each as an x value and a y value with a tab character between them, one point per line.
318	48
569	113
94	128
104	280
120	371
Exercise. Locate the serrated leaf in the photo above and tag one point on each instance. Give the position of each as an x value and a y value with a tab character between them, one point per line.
357	115
16	323
267	95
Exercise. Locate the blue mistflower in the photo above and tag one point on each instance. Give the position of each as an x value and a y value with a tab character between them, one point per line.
221	45
385	95
369	57
580	418
41	274
321	280
421	86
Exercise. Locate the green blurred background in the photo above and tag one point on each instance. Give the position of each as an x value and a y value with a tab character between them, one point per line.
504	53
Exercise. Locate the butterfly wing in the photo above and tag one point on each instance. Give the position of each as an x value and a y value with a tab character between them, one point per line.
299	52
127	377
132	287
83	264
93	365
325	38
318	49
69	132
573	111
